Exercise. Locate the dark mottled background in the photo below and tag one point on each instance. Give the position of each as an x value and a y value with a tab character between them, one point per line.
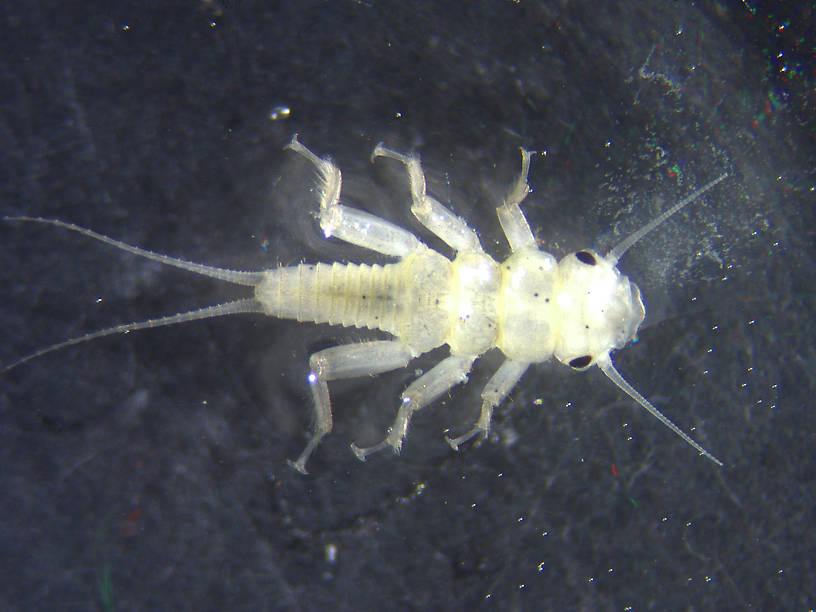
147	471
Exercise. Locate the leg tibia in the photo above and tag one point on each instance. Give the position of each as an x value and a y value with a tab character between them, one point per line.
512	220
495	391
349	224
347	361
330	178
451	228
424	390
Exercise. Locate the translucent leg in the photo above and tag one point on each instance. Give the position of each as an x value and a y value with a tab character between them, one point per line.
346	361
495	391
430	212
512	220
449	372
350	224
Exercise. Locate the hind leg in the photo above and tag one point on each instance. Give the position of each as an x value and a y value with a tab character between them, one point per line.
346	361
350	224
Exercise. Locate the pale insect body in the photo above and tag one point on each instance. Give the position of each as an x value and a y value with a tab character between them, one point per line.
530	306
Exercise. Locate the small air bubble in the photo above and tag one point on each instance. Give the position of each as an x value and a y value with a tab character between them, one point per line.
280	112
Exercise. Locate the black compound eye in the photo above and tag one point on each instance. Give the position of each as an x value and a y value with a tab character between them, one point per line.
586	257
579	363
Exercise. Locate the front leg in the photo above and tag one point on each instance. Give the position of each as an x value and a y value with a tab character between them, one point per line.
346	361
446	374
496	389
512	220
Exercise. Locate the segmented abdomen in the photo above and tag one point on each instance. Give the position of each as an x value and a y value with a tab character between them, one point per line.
356	295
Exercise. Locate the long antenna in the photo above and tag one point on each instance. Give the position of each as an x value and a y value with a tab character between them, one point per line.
605	364
619	249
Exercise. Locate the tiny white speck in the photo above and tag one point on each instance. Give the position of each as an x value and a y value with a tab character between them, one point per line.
280	112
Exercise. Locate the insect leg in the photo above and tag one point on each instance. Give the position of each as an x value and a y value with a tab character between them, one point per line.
512	220
451	228
346	361
449	372
495	391
350	224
